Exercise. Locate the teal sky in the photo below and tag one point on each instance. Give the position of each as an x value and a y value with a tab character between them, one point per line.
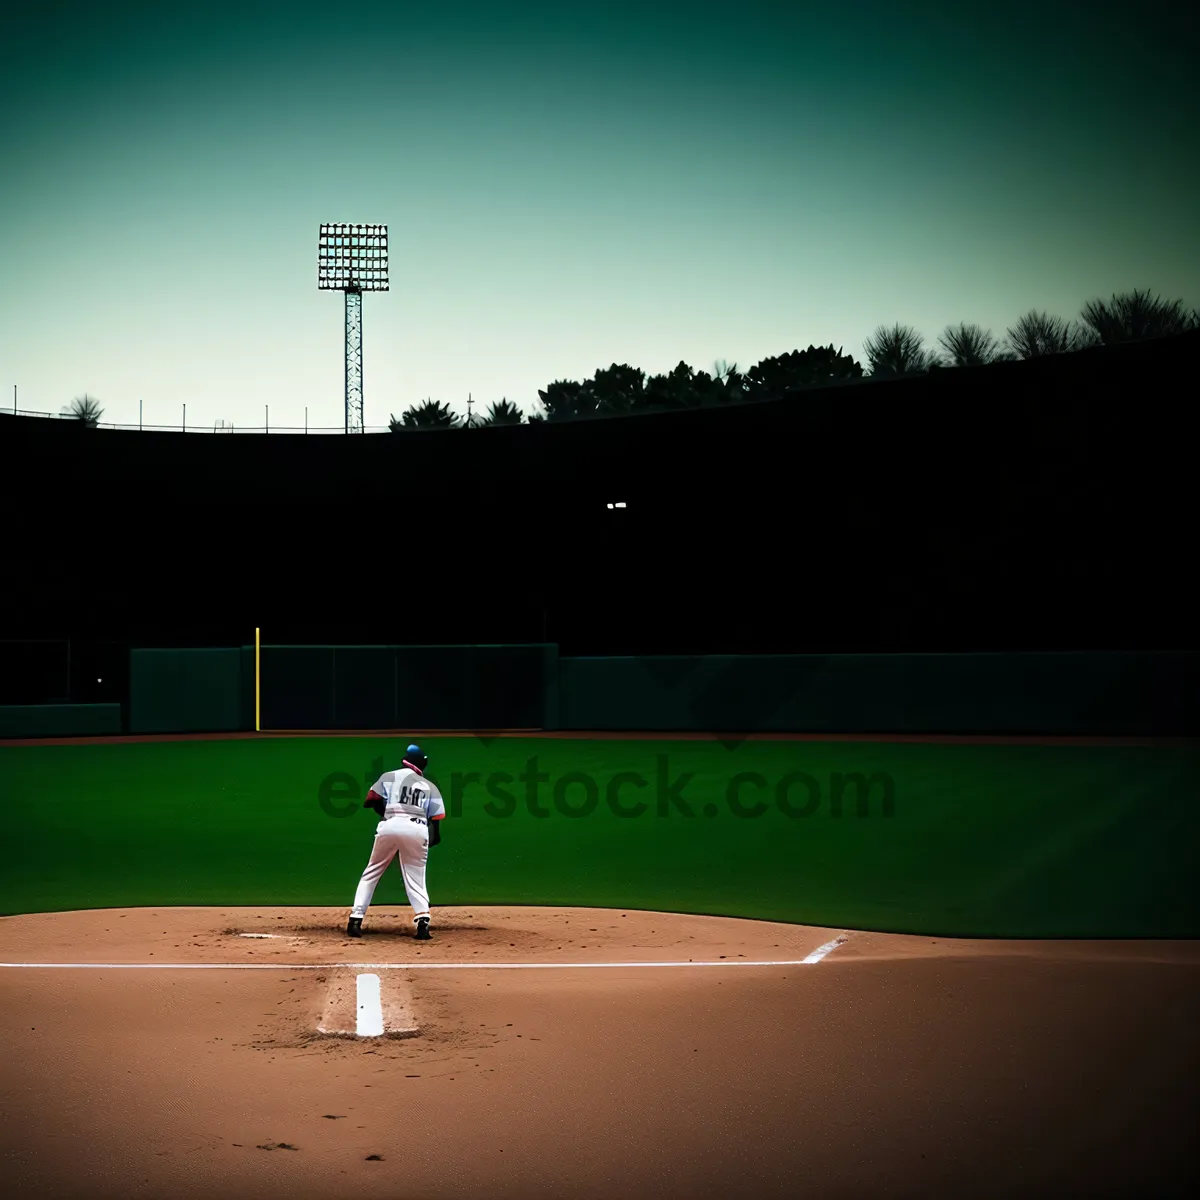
566	186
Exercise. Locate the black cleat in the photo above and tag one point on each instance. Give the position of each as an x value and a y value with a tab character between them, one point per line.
423	929
354	927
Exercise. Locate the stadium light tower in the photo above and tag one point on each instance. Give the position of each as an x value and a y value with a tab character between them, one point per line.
353	259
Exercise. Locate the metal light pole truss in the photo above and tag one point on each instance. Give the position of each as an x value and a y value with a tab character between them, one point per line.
353	259
354	365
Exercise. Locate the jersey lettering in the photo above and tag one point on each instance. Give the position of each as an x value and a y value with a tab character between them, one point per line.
406	794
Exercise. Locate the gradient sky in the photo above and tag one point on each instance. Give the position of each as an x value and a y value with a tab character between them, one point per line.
566	186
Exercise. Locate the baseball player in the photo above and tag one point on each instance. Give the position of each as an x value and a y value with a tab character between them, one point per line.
410	811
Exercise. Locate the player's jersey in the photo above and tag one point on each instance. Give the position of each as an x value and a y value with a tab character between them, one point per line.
409	794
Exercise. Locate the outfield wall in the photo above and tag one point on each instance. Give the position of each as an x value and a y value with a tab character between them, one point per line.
1068	694
531	687
208	690
58	720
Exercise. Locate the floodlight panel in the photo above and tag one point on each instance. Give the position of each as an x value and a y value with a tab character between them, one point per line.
352	258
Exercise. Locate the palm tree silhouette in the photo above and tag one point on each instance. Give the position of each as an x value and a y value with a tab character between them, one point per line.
430	414
503	412
970	346
897	350
1038	335
85	408
1133	316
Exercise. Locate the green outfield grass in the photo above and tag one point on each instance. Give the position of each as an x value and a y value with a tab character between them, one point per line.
987	840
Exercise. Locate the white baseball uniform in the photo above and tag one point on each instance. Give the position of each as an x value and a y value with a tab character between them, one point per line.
411	802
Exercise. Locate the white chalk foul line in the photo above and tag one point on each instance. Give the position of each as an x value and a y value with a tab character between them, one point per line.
424	966
820	952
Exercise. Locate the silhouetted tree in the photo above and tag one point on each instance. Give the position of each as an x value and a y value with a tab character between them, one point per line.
708	390
1037	335
814	367
682	387
503	412
1132	316
617	389
732	383
86	409
565	399
891	352
971	346
897	350
430	414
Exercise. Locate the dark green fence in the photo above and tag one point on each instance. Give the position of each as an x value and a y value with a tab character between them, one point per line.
1133	694
530	687
208	690
408	687
59	720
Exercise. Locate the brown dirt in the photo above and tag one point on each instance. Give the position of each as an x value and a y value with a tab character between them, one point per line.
898	1066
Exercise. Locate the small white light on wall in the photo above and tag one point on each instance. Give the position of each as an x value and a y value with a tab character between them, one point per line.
610	506
620	503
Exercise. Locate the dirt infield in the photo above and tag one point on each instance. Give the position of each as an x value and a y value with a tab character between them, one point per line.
576	1052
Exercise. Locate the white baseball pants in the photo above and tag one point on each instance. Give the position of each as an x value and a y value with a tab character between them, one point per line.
407	839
